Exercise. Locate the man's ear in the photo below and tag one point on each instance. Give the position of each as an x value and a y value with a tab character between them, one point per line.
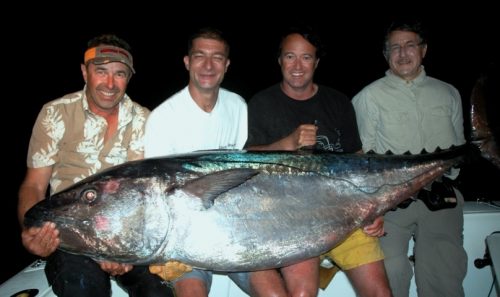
424	50
316	64
186	62
84	72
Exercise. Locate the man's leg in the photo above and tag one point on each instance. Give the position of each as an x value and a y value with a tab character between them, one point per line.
302	279
196	283
76	276
399	225
265	283
440	259
139	282
370	280
361	257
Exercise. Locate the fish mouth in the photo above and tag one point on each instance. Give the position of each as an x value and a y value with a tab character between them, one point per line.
36	216
48	210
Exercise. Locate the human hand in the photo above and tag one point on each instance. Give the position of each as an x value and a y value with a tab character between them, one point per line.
170	270
303	136
376	228
41	241
114	268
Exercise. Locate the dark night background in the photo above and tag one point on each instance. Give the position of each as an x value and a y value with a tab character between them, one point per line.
44	52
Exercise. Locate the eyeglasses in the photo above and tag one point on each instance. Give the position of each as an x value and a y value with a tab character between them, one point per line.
410	47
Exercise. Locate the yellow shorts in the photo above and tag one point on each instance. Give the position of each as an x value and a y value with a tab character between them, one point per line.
356	250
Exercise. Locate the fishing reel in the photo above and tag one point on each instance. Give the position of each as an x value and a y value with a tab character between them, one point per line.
480	263
483	262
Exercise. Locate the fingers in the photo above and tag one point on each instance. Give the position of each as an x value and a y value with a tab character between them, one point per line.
170	270
41	241
375	233
306	135
49	236
376	229
114	268
155	269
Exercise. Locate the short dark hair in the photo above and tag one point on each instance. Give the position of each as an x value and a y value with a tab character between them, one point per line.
408	25
208	33
308	33
108	39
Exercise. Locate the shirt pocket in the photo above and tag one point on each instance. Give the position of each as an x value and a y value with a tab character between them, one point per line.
394	126
440	111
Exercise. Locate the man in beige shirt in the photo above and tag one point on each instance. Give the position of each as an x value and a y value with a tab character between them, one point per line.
74	137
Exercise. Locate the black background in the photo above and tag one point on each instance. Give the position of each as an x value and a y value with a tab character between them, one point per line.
43	49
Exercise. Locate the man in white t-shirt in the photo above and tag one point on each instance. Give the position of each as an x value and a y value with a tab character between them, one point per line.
201	116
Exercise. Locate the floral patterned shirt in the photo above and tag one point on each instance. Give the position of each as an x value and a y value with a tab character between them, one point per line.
68	136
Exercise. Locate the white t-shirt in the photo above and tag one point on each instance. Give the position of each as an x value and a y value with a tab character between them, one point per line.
179	125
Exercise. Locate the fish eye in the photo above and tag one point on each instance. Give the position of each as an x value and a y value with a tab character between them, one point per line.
89	195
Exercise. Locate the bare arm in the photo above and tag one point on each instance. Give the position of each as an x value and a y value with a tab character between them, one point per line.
32	189
41	241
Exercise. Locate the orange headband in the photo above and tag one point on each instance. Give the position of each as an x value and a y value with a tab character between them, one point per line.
106	54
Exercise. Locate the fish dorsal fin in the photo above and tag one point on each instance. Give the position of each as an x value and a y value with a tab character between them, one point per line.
210	186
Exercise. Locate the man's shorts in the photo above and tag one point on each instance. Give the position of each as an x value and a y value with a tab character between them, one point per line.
242	280
239	278
204	275
356	250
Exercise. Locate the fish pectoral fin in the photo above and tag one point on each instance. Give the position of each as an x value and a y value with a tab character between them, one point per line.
210	186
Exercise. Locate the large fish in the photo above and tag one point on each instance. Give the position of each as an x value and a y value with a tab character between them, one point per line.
232	211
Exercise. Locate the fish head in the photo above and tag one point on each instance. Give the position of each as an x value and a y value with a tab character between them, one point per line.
107	218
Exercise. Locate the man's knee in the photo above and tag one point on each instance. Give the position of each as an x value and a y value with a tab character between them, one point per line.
191	287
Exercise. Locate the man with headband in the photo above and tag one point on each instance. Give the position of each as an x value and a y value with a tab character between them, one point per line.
74	137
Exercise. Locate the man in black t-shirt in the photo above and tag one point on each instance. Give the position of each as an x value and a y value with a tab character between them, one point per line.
296	114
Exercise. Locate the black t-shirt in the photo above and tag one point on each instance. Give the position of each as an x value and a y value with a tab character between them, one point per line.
272	115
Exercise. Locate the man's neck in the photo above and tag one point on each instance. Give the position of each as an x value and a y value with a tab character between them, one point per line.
205	99
303	93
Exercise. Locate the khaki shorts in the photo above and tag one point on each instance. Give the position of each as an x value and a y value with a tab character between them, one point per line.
356	250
